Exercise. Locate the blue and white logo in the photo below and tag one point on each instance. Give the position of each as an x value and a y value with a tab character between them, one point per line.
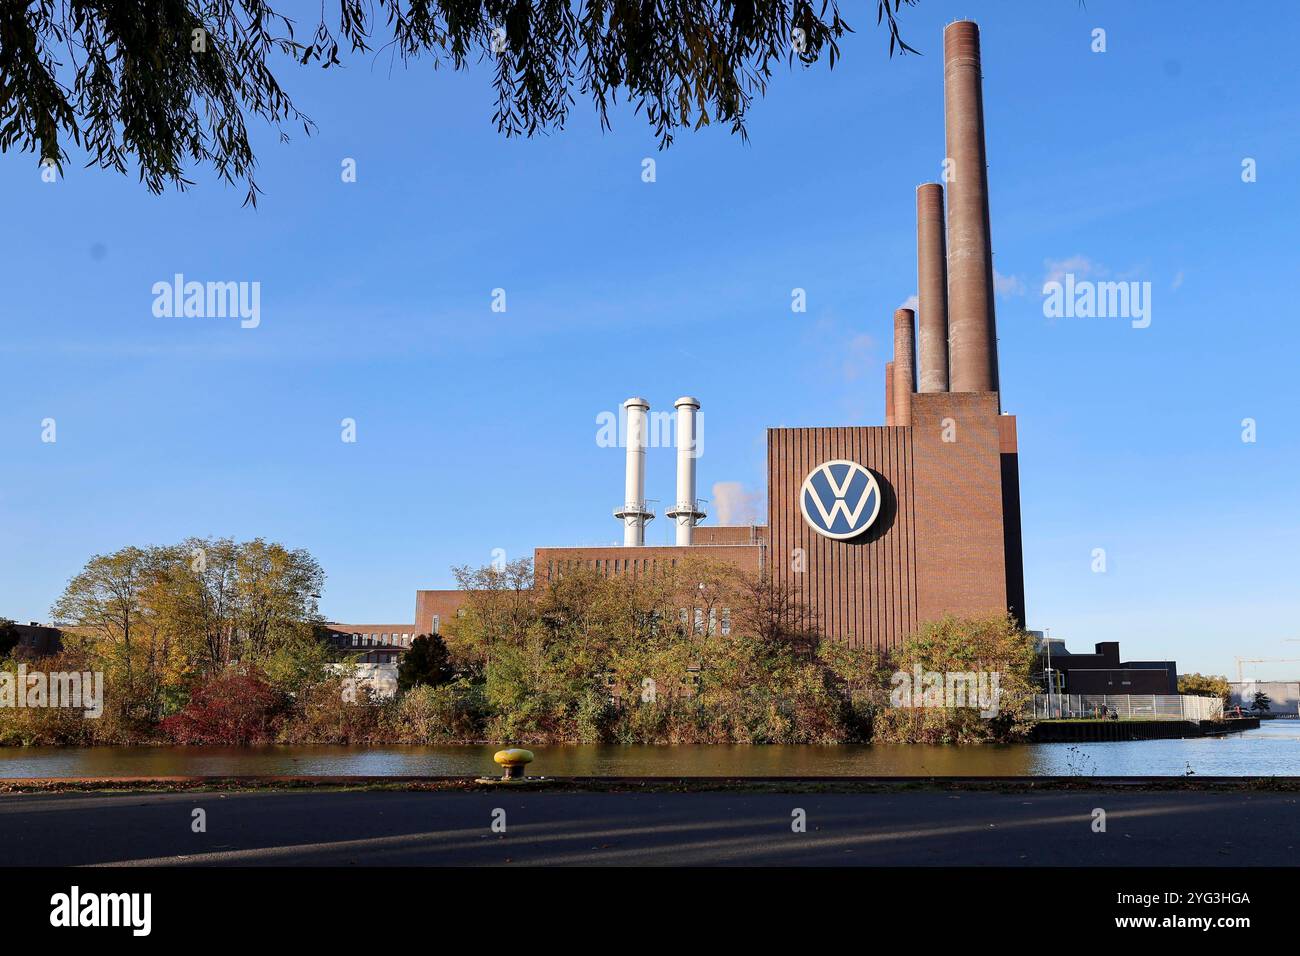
840	499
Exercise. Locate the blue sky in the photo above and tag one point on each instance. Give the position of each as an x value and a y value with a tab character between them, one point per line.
476	430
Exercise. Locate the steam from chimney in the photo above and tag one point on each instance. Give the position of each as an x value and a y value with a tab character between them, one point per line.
736	505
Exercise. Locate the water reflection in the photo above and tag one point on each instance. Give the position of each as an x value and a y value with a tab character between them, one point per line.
1272	750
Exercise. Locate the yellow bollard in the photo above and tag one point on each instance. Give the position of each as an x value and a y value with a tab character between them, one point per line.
513	760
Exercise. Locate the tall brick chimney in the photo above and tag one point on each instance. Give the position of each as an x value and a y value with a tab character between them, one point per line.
972	328
904	365
931	290
889	393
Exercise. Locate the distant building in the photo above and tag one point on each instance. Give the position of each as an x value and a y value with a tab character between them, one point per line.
38	640
385	643
1283	695
1102	672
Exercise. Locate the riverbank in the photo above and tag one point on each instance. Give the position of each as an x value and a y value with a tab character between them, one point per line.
109	785
1083	731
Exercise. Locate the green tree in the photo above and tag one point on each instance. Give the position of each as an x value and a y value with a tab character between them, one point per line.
159	83
426	662
1260	704
1205	685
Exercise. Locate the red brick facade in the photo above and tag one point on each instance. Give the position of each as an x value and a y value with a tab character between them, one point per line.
940	543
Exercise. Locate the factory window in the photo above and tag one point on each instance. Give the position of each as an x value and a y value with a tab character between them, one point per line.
356	639
685	618
713	620
435	624
699	620
625	565
726	621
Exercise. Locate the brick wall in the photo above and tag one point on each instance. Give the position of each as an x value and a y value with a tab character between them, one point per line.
939	544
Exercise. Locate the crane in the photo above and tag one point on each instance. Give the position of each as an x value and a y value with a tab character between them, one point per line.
1263	660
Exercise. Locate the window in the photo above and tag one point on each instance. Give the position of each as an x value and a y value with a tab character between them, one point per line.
713	620
435	624
699	620
356	640
726	621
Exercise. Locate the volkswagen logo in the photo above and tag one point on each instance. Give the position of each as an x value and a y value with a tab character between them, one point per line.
840	499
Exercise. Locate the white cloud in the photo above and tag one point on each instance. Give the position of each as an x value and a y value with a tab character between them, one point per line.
911	302
1079	265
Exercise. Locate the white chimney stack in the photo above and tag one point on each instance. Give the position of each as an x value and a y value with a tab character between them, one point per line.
687	510
634	513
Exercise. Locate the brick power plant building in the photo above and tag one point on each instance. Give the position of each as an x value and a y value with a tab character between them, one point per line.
880	527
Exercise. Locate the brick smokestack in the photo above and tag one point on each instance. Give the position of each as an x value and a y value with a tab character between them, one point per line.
972	329
931	289
889	393
904	365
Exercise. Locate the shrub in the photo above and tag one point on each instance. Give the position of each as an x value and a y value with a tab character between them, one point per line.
323	714
452	713
231	709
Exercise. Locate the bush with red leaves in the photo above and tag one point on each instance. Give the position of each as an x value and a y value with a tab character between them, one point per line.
229	710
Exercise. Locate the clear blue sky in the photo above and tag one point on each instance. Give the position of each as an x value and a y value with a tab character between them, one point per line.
476	430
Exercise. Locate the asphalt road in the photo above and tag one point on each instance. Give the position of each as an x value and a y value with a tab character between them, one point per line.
376	828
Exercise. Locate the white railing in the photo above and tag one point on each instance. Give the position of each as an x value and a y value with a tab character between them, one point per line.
1127	706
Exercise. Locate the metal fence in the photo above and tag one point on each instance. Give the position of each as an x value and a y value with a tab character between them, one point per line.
1128	706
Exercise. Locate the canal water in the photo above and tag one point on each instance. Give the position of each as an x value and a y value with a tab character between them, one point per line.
1272	750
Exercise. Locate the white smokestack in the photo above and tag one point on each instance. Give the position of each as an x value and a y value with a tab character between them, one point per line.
687	511
634	514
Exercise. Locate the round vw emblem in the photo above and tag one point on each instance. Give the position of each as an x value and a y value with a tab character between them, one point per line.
840	499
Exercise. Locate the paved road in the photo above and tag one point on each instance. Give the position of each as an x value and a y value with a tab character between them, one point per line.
892	829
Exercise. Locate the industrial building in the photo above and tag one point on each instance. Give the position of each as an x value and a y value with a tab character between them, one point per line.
1102	672
879	527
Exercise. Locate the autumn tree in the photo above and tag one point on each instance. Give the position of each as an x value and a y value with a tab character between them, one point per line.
106	604
1205	685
